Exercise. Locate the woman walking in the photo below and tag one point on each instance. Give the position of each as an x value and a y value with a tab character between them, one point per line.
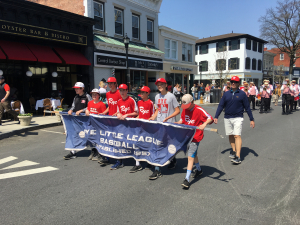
207	94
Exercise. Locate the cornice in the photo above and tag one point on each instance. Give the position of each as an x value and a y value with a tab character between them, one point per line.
176	32
176	37
150	5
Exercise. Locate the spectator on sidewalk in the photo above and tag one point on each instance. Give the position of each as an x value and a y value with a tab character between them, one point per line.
207	94
5	100
194	91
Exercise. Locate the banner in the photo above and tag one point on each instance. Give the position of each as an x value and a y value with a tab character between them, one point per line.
143	140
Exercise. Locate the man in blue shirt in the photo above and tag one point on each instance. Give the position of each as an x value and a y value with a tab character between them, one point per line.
235	102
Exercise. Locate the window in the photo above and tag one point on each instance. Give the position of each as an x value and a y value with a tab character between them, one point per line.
248	44
254	47
281	56
203	66
234	45
221	46
203	49
260	47
170	49
118	22
186	52
98	16
221	64
135	27
233	64
150	31
247	64
259	65
253	64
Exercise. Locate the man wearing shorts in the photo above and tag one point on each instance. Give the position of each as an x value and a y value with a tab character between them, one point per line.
193	115
235	102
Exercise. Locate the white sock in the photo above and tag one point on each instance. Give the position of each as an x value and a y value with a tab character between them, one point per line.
137	163
74	152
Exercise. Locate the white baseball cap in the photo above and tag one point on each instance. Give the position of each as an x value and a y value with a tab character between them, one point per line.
79	85
187	100
95	90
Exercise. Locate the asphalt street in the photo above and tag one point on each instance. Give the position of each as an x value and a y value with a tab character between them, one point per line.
39	187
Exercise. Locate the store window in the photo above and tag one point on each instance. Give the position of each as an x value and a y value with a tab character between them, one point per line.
187	52
98	16
173	79
150	31
118	22
138	79
170	49
136	27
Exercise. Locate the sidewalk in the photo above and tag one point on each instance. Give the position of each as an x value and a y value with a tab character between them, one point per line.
10	128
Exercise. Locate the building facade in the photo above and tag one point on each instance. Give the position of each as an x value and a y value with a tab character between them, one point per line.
230	55
139	21
44	51
179	58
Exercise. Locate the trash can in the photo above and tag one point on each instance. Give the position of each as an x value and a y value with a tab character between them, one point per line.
215	95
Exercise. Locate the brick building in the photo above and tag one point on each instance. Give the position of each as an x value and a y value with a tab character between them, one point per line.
281	58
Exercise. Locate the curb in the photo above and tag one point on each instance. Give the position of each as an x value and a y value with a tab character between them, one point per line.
26	129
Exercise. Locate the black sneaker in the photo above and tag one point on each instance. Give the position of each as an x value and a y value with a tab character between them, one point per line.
156	174
135	169
92	154
236	160
96	156
186	184
172	164
70	156
148	167
104	161
197	173
118	165
232	154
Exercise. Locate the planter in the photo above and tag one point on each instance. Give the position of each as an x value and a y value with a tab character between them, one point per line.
25	120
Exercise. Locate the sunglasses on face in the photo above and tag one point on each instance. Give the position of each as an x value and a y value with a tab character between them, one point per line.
234	82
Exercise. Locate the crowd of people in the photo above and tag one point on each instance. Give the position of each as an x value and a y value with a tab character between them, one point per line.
165	109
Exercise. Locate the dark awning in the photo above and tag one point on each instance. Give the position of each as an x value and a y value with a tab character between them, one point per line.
44	53
71	56
17	51
2	55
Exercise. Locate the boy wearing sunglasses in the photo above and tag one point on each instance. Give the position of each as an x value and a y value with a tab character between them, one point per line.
235	102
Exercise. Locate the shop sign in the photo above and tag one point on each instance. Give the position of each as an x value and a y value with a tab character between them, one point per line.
40	32
181	68
111	61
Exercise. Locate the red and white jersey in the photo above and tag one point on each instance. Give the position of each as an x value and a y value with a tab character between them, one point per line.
195	117
126	106
146	109
112	99
96	108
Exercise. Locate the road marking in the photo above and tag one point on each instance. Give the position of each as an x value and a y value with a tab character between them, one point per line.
27	172
21	164
7	159
63	142
52	131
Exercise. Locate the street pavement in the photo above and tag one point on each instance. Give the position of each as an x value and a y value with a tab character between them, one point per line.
39	187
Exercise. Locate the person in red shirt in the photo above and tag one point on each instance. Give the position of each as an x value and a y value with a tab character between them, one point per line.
96	107
126	107
195	116
146	110
112	97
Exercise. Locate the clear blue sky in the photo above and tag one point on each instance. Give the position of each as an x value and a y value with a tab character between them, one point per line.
205	18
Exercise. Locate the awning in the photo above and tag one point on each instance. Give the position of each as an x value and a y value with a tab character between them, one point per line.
71	56
44	53
2	55
17	51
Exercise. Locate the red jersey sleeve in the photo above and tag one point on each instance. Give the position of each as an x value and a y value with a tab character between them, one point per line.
6	87
102	107
89	105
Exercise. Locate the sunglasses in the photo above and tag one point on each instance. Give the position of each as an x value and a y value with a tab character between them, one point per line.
234	82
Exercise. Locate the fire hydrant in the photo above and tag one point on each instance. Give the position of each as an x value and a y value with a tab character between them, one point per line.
201	99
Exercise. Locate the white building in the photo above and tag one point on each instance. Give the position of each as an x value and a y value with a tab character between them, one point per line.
230	55
116	18
179	60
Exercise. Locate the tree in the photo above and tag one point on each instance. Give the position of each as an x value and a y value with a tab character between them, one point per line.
280	27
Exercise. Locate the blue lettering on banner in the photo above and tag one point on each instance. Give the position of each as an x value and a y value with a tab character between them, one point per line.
142	140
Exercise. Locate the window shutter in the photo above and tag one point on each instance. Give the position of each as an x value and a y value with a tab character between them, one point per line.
238	63
239	44
200	49
217	46
229	45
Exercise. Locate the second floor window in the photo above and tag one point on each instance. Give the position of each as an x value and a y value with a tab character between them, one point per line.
203	66
203	49
135	27
260	47
221	46
150	31
248	44
234	44
233	64
98	16
221	64
253	64
281	56
248	63
259	65
254	47
118	22
186	52
170	49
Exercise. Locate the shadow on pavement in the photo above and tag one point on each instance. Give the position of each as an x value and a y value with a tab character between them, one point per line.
27	133
244	152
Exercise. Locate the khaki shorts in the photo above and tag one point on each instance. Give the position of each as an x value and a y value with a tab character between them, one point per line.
233	126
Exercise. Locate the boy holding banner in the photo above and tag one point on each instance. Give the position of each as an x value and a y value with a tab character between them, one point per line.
195	116
126	107
95	107
146	110
167	108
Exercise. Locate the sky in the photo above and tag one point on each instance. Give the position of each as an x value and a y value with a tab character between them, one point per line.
205	18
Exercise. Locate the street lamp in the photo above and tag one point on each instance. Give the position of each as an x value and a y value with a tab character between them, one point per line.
126	42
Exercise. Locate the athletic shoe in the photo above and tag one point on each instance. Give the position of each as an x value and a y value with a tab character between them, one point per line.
148	167
172	164
135	169
92	154
70	156
96	156
104	161
156	174
232	154
197	173
186	184
117	165
236	160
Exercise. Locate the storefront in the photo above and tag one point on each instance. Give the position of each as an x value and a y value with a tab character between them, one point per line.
44	51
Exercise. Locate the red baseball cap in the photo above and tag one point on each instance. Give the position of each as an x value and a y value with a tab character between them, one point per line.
160	80
145	89
123	86
235	78
112	80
